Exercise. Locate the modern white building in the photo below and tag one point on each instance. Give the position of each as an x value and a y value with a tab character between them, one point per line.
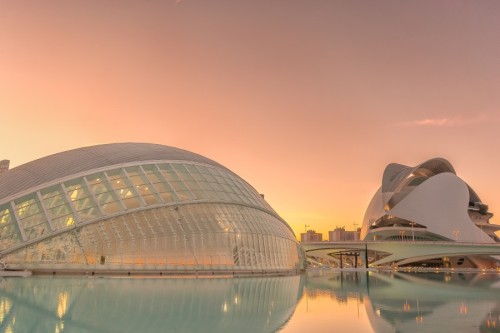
428	202
138	207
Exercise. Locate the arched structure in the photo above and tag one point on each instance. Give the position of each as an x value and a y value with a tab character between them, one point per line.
138	207
427	202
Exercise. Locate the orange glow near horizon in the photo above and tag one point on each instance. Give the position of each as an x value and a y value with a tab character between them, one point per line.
307	102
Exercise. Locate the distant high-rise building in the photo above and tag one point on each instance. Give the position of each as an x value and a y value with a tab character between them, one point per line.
341	235
311	236
4	165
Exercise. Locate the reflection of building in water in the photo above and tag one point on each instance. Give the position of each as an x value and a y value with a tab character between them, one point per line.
149	305
138	207
491	322
419	302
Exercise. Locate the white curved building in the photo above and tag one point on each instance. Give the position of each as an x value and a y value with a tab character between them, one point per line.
138	207
427	202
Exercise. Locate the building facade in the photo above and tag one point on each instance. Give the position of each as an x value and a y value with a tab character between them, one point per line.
342	235
311	236
429	202
138	207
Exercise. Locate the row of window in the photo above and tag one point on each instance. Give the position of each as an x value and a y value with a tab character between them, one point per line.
166	238
110	192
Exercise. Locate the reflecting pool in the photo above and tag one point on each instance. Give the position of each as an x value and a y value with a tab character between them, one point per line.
319	301
398	302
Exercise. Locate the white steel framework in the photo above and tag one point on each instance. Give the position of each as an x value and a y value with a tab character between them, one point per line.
154	213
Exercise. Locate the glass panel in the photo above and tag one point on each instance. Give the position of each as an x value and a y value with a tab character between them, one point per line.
132	202
150	199
160	184
166	192
181	191
181	171
58	211
135	175
191	168
57	208
27	208
124	189
9	234
52	197
168	172
198	177
209	177
63	222
108	203
32	218
143	186
98	183
149	168
154	177
5	215
213	171
195	189
84	205
205	186
76	191
104	193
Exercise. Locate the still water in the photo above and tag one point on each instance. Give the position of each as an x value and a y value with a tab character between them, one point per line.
319	301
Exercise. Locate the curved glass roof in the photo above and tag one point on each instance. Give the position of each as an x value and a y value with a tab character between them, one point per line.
72	162
62	191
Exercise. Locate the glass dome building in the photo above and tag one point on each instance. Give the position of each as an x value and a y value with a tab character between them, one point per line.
135	207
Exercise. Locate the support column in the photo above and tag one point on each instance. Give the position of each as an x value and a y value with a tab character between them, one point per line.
366	255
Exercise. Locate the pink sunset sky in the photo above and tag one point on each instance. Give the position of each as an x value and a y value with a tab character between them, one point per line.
306	100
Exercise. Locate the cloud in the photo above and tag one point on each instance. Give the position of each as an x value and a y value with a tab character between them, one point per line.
445	121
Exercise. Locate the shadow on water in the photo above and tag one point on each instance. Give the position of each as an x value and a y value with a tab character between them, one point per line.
417	302
66	304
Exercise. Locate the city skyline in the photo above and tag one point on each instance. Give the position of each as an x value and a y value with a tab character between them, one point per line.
308	102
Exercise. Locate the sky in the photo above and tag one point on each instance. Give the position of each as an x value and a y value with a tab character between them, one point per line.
308	101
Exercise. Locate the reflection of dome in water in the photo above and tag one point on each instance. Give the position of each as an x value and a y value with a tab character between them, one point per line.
149	305
138	207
